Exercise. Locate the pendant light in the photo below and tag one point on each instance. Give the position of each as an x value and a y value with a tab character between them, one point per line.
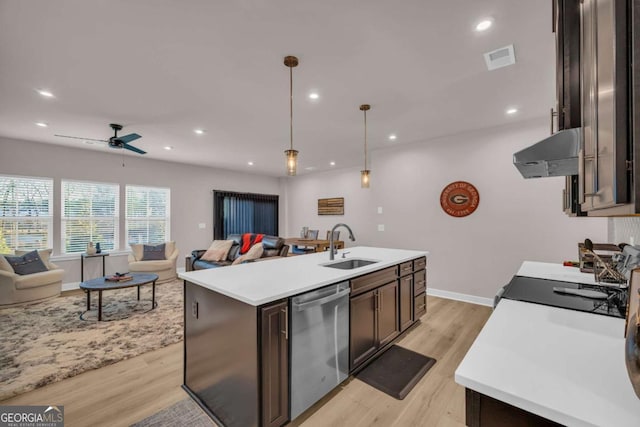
292	155
364	174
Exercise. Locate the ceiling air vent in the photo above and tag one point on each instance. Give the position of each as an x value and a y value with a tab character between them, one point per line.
500	57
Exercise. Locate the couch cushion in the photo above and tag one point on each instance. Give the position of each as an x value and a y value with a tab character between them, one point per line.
4	265
254	253
45	256
28	263
150	266
153	252
39	279
203	265
218	250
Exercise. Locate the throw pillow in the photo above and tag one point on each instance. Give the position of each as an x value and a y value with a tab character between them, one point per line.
254	253
28	263
218	251
4	265
45	256
153	252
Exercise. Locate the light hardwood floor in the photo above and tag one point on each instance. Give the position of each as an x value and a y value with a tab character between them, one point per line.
131	390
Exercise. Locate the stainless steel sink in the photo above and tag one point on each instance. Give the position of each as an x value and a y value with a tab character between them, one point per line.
350	264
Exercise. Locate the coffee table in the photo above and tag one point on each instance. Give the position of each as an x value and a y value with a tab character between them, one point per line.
101	284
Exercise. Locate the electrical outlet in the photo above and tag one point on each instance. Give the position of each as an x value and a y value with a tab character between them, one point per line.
380	227
202	225
194	309
379	209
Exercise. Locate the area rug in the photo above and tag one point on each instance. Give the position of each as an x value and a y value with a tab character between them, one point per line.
46	342
184	413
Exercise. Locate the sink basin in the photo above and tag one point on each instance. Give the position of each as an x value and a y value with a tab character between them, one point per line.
350	264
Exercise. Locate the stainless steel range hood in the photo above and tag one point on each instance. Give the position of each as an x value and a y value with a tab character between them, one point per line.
556	155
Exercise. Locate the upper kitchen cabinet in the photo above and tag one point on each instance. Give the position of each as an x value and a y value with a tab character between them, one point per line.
606	153
566	26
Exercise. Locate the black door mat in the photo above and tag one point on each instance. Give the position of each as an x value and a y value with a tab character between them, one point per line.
396	371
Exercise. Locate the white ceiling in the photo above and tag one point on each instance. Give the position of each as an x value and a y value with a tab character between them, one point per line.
165	67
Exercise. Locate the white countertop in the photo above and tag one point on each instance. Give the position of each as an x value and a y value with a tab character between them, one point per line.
261	282
545	270
564	365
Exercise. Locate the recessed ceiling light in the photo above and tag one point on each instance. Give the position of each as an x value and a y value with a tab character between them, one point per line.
314	95
332	163
484	25
310	168
250	163
45	93
199	131
392	137
168	147
511	111
42	124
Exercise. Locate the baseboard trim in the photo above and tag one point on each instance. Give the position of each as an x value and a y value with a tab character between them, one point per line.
460	297
71	286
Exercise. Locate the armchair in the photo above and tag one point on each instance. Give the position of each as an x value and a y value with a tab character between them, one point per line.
165	269
17	289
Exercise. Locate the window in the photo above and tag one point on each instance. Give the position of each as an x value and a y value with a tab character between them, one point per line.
26	213
148	218
89	214
237	213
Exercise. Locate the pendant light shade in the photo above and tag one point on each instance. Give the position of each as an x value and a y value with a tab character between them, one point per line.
292	155
365	174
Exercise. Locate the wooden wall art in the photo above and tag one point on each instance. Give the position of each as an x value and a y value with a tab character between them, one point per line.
333	206
459	199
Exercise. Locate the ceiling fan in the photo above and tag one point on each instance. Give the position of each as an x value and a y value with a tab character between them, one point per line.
115	141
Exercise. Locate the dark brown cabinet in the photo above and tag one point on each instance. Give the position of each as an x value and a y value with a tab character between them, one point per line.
374	322
383	306
275	364
236	358
363	342
406	302
388	318
419	299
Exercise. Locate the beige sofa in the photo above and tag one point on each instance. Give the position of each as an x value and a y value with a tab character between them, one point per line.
165	269
16	289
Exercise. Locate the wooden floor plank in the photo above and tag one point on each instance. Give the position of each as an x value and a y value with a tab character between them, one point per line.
131	390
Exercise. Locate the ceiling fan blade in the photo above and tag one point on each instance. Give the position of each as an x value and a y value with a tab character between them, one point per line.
128	138
77	137
134	149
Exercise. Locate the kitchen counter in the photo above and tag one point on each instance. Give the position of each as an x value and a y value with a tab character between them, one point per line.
564	365
258	283
550	271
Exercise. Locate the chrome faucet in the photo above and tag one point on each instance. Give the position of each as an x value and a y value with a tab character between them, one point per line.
332	250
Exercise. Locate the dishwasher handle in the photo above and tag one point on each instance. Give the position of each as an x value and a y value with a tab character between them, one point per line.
320	301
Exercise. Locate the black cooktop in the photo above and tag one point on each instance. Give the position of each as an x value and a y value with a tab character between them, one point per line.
540	291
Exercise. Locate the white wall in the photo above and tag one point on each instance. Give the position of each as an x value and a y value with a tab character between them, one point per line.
517	219
191	191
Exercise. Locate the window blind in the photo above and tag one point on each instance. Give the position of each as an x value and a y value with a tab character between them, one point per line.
147	218
89	214
26	213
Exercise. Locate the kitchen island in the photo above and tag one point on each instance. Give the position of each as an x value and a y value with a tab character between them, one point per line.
237	325
548	365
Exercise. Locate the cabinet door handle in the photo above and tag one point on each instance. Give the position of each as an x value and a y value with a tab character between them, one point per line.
285	311
553	114
380	299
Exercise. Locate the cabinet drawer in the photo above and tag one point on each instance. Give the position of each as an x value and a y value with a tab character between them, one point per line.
373	280
419	306
420	264
419	282
406	268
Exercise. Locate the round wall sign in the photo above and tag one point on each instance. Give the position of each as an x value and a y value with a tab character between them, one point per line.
459	199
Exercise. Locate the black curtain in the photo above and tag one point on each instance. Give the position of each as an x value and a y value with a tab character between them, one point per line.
237	213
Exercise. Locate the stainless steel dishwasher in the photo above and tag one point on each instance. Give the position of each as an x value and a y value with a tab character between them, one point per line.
319	344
